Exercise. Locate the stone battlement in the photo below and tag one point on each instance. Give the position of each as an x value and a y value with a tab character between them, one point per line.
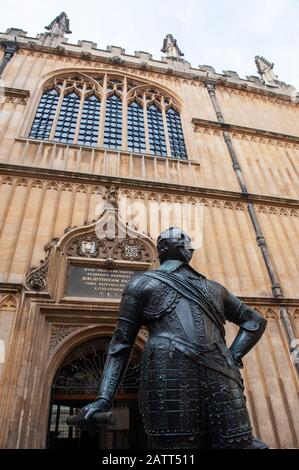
88	50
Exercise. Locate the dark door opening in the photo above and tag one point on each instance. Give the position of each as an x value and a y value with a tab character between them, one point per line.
76	384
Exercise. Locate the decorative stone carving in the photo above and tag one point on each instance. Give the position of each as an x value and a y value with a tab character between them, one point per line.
8	302
87	246
15	100
37	278
125	244
170	48
59	333
265	69
132	250
111	196
59	26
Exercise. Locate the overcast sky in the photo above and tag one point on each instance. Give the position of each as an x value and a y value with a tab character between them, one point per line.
226	34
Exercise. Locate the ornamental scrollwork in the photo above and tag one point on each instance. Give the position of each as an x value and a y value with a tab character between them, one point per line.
36	279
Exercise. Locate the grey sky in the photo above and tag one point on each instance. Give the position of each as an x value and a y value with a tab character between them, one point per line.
226	34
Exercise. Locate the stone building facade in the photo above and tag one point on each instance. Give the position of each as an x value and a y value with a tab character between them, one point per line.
81	127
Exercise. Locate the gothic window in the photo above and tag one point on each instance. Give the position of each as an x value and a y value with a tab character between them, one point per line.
156	131
44	116
112	112
113	122
89	124
175	134
136	133
66	125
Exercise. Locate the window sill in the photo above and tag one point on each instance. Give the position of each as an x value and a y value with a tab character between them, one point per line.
103	161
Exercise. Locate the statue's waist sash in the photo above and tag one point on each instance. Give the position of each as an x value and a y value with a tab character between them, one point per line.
195	352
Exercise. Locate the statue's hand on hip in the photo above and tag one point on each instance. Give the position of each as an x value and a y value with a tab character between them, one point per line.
86	417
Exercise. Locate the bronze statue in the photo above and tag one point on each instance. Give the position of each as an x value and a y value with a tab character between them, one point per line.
191	390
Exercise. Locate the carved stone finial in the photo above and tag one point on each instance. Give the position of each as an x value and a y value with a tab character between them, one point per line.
59	26
170	48
265	69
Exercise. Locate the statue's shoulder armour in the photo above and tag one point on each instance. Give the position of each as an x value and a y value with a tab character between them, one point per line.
215	292
138	287
160	299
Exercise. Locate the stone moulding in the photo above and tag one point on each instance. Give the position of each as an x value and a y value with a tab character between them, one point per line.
116	55
241	130
124	245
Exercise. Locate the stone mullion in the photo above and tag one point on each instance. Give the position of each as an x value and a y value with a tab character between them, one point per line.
103	113
166	129
125	115
146	133
55	120
82	98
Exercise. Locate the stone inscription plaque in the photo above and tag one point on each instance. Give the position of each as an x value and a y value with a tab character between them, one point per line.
98	282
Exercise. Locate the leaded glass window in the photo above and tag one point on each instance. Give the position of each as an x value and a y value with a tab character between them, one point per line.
156	131
113	122
67	121
44	117
91	111
136	133
89	124
175	134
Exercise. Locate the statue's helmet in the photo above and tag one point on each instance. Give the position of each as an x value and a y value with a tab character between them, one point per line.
174	243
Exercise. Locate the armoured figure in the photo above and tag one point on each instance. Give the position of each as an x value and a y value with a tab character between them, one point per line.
191	390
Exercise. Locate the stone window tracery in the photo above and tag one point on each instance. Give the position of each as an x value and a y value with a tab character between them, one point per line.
45	114
112	112
136	132
67	120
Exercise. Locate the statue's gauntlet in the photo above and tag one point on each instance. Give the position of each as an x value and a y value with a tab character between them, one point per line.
252	326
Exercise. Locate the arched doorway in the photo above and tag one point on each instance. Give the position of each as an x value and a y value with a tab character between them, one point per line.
76	384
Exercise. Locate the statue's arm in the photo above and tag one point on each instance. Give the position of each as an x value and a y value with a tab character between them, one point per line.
118	355
252	326
120	347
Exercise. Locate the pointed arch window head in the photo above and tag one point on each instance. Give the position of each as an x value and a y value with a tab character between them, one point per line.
109	111
136	132
44	116
156	131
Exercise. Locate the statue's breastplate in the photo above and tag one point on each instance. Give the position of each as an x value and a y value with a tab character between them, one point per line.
161	302
168	310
